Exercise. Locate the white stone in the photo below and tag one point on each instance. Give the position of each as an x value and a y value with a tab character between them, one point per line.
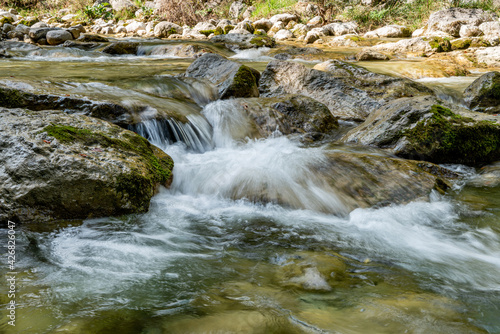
490	28
135	26
283	34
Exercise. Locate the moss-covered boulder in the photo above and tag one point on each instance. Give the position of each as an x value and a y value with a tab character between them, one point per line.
231	78
262	117
122	48
484	93
55	166
439	44
243	41
421	128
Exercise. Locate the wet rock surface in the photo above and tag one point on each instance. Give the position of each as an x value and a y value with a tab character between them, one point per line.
57	166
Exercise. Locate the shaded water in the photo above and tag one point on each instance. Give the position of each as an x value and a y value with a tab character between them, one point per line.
211	258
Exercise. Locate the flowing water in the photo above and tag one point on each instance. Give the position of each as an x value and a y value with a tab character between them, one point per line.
211	256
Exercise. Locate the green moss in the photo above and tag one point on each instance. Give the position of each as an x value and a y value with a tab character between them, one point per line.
244	83
259	32
207	32
440	44
447	137
13	98
228	28
140	182
261	41
461	44
171	31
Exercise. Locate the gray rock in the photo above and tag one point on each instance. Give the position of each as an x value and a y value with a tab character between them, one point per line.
236	9
165	29
36	34
369	54
390	31
122	48
243	41
55	166
89	38
263	24
450	20
56	37
285	18
232	79
421	128
119	5
484	93
350	92
81	45
283	34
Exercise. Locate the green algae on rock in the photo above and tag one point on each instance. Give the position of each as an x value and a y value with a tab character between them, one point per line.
484	93
421	128
75	168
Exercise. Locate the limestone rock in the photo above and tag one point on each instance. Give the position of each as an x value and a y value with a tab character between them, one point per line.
121	48
263	24
421	128
489	57
232	79
484	93
417	45
243	41
165	29
450	20
285	18
490	28
369	54
56	166
468	30
283	34
56	37
350	92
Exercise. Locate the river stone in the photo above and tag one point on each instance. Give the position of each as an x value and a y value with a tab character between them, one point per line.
484	93
340	28
394	31
283	34
369	54
231	78
81	45
450	20
122	48
165	29
349	91
243	41
468	30
490	28
417	45
37	34
263	24
56	37
56	166
489	57
89	38
421	128
181	50
285	18
290	114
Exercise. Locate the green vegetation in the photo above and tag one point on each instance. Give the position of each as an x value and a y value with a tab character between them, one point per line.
138	184
98	11
244	82
440	44
270	7
448	137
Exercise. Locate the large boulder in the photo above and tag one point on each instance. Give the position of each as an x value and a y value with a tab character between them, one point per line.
285	18
491	29
56	166
451	20
484	93
243	41
340	28
56	37
165	29
231	78
36	34
349	91
489	57
421	128
415	46
262	117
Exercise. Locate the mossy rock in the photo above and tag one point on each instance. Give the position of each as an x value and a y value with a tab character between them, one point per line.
446	137
76	167
207	32
28	21
461	44
440	44
121	48
262	41
218	31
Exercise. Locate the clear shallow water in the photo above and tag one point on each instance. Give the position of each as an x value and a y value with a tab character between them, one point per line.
201	261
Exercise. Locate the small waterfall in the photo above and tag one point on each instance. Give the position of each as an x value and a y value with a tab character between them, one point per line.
196	134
